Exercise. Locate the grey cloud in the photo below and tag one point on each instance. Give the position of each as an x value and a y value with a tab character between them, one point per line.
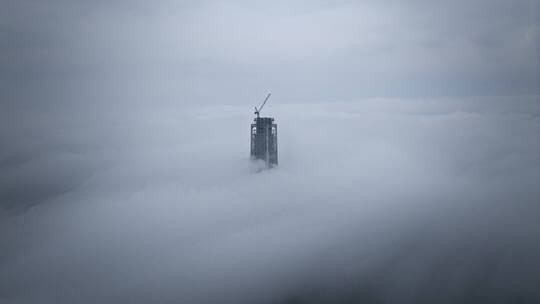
389	200
409	152
175	51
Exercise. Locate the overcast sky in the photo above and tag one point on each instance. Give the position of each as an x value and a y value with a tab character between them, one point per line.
229	51
409	148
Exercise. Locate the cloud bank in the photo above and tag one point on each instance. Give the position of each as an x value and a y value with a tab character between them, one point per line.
382	200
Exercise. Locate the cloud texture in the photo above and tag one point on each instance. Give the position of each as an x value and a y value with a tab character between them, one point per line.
381	200
207	51
408	143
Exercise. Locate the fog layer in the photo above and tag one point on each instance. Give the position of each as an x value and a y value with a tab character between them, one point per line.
381	200
408	144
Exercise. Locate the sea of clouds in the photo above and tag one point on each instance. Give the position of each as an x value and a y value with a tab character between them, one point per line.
374	201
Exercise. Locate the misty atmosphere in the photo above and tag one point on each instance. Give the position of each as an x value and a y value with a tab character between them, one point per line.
409	152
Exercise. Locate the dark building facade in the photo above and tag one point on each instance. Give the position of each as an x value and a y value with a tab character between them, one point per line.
264	141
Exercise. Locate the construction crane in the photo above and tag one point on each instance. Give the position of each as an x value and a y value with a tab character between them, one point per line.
258	110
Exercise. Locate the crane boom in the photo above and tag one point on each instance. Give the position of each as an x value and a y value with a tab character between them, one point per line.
264	102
